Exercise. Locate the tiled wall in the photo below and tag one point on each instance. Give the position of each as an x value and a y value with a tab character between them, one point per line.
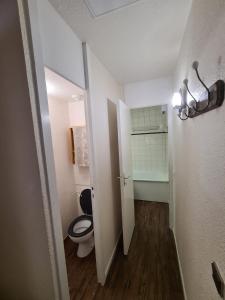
149	118
149	151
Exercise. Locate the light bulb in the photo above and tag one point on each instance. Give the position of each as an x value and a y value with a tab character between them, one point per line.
50	88
189	99
176	101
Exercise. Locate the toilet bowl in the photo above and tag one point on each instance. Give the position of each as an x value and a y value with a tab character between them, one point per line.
81	230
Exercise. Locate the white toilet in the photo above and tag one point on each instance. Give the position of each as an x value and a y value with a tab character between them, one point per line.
81	230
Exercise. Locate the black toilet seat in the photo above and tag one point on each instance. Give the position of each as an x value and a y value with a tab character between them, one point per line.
77	220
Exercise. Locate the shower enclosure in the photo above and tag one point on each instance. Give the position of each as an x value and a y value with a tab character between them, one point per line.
150	153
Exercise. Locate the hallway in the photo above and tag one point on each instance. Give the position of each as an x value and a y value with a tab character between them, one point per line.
150	271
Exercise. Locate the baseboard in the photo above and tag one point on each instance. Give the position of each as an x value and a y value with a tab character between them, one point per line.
180	268
112	256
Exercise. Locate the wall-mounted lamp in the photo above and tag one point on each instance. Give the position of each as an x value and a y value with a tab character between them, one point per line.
180	105
210	99
177	100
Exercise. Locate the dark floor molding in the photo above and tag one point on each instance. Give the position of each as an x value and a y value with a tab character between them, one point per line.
179	263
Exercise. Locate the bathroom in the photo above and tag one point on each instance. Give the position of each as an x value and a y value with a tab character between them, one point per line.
149	144
70	141
176	83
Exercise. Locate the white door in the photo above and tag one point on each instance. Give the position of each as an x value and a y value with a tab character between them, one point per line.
126	180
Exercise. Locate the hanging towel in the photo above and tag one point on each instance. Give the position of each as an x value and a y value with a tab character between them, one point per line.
81	146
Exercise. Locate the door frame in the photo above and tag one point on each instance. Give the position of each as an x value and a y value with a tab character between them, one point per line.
39	104
171	170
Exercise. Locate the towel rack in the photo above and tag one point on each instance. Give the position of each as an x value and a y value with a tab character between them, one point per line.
143	133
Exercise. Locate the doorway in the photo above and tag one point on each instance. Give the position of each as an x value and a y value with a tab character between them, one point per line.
149	145
70	144
143	153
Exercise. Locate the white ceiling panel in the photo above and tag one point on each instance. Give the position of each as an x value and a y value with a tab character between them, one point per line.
139	42
101	7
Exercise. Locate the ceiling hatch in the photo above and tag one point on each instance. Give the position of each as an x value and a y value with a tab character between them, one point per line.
99	8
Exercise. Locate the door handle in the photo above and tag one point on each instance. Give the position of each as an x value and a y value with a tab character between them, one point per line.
124	179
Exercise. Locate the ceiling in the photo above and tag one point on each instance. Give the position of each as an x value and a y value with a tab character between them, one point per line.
99	8
60	88
137	42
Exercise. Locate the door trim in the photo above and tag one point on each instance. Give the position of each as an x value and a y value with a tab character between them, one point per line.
39	107
37	86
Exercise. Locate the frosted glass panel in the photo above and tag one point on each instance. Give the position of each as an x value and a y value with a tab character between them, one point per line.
150	145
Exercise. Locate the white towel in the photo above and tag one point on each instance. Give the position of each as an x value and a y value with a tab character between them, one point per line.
81	146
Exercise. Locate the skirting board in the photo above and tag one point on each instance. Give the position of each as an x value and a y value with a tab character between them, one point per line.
112	257
180	268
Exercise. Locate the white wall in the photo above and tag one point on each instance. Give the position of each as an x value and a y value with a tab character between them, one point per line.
102	87
148	93
77	113
60	124
25	258
62	50
200	156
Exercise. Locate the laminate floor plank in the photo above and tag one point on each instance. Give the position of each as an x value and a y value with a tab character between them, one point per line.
149	272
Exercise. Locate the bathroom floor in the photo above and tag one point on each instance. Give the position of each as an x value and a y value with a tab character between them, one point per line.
150	271
82	276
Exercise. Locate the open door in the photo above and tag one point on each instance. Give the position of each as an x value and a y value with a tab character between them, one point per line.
126	180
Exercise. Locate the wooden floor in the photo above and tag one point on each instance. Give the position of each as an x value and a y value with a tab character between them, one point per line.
150	271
